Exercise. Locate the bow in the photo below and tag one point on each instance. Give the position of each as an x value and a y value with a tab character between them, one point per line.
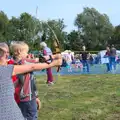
55	43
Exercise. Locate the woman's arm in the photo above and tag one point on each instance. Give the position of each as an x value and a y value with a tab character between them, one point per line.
19	69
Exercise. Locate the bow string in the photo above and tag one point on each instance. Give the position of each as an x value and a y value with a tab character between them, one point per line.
56	44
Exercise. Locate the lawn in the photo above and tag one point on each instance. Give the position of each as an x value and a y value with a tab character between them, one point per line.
83	97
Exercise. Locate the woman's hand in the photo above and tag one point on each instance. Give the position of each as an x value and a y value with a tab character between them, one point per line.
57	62
56	56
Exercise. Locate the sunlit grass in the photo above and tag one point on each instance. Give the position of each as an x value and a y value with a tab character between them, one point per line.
83	97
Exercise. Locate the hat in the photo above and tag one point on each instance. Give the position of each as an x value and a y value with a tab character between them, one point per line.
43	44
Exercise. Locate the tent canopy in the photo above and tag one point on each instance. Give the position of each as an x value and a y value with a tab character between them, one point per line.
102	53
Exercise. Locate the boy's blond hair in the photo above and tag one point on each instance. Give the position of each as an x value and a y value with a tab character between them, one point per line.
19	46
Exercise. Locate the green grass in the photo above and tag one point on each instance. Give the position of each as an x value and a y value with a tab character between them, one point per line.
83	97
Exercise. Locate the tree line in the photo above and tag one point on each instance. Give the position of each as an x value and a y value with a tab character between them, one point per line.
94	30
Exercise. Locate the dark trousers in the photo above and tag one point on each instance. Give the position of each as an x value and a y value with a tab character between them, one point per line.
29	109
108	67
85	65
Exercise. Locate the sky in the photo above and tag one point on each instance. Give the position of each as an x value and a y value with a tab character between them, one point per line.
66	9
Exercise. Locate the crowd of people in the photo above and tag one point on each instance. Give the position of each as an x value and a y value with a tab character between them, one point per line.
19	98
82	61
85	59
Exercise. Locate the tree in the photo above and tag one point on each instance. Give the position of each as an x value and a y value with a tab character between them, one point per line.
74	41
24	28
116	37
95	27
54	28
29	29
3	26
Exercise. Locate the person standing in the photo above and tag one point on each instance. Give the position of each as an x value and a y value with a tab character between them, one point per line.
69	61
85	59
107	55
26	94
47	51
113	58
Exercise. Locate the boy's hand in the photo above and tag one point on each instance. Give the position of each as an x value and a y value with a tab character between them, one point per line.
38	103
56	56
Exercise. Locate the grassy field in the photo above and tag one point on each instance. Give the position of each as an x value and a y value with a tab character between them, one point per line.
84	97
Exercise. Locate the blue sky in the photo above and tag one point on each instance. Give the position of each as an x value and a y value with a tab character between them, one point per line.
67	9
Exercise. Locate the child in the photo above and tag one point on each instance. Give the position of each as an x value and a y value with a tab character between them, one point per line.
26	88
69	61
78	64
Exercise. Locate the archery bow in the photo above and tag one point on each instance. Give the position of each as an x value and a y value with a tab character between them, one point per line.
56	44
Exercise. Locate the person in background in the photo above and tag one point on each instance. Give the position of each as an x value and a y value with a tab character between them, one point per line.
91	60
78	64
46	52
107	54
85	59
69	61
113	58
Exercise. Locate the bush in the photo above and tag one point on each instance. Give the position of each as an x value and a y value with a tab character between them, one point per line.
92	52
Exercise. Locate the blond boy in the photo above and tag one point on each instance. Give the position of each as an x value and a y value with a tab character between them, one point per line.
25	90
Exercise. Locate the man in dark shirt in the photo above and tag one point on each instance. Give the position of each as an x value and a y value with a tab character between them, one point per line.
85	59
